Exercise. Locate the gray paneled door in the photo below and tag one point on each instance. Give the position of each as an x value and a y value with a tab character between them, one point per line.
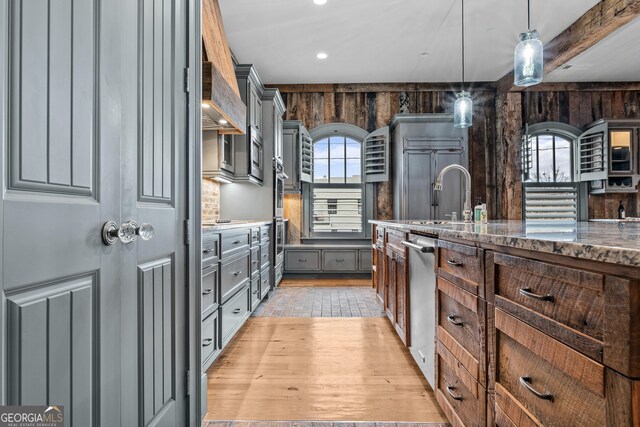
92	121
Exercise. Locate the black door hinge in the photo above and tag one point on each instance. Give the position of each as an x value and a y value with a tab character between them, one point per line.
187	79
187	232
187	383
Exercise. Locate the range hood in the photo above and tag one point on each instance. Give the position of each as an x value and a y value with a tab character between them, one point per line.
222	108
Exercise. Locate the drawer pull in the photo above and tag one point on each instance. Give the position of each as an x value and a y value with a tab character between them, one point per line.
254	262
340	260
207	251
302	259
423	249
237	273
207	291
527	293
237	310
207	342
454	263
453	396
453	321
237	242
265	234
526	383
255	292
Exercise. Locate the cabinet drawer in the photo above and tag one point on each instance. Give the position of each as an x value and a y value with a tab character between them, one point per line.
234	312
566	303
210	288
255	292
302	260
394	241
339	260
210	249
265	283
461	327
234	274
264	234
209	338
255	261
234	241
255	237
462	399
364	260
462	265
555	383
265	258
278	274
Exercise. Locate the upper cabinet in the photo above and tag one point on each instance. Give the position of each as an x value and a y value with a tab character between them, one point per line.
272	112
608	156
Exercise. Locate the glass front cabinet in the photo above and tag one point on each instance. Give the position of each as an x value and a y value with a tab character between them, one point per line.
618	155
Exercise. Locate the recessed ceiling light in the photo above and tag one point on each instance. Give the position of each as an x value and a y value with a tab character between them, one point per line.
322	55
320	2
222	122
205	105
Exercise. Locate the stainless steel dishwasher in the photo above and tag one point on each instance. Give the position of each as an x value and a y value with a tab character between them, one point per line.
422	303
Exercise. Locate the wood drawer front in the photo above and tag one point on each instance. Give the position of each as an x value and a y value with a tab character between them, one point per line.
209	337
233	313
346	260
461	318
528	356
365	260
462	265
255	261
265	260
572	305
210	249
394	241
255	292
255	237
265	283
302	260
264	234
462	399
210	288
234	274
234	241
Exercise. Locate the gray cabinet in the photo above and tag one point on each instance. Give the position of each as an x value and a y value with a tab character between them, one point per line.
297	155
423	144
218	155
328	258
346	260
302	259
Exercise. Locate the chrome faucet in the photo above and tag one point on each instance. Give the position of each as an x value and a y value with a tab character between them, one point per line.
467	199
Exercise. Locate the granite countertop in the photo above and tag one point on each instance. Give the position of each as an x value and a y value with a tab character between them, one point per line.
213	226
616	243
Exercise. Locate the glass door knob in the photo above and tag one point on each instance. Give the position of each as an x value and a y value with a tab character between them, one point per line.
145	231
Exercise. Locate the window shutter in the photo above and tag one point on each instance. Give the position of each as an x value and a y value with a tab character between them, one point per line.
551	203
527	155
376	155
306	157
592	154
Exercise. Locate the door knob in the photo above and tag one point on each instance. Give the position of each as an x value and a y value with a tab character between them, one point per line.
126	233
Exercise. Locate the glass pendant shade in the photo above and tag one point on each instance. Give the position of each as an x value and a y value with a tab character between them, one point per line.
528	60
462	110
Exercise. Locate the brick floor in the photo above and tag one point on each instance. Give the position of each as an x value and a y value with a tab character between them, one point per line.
321	302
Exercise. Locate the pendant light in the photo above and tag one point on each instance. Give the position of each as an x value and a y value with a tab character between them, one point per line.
463	105
528	63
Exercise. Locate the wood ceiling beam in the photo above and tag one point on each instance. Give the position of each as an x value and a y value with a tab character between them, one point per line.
380	87
596	24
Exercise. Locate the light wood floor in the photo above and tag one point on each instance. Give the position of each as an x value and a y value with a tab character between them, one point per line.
337	369
325	283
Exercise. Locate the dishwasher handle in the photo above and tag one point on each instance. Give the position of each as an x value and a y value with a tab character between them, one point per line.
423	249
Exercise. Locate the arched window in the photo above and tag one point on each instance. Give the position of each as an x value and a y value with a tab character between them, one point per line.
550	190
337	193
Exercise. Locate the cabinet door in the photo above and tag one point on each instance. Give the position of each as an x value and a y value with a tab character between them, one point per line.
376	155
591	161
417	186
381	279
289	159
278	140
226	153
257	158
305	156
402	299
258	113
390	301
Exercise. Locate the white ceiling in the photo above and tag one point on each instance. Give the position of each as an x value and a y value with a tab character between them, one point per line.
386	40
616	58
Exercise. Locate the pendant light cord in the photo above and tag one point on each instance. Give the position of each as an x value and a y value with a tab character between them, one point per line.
462	3
529	15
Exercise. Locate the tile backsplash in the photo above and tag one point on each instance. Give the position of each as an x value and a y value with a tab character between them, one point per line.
210	200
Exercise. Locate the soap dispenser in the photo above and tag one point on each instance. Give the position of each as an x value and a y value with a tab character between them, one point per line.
477	211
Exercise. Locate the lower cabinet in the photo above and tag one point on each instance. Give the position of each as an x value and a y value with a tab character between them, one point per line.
265	282
210	345
319	259
255	296
234	312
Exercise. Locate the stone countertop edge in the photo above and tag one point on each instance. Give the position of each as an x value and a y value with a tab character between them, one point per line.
603	242
220	227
